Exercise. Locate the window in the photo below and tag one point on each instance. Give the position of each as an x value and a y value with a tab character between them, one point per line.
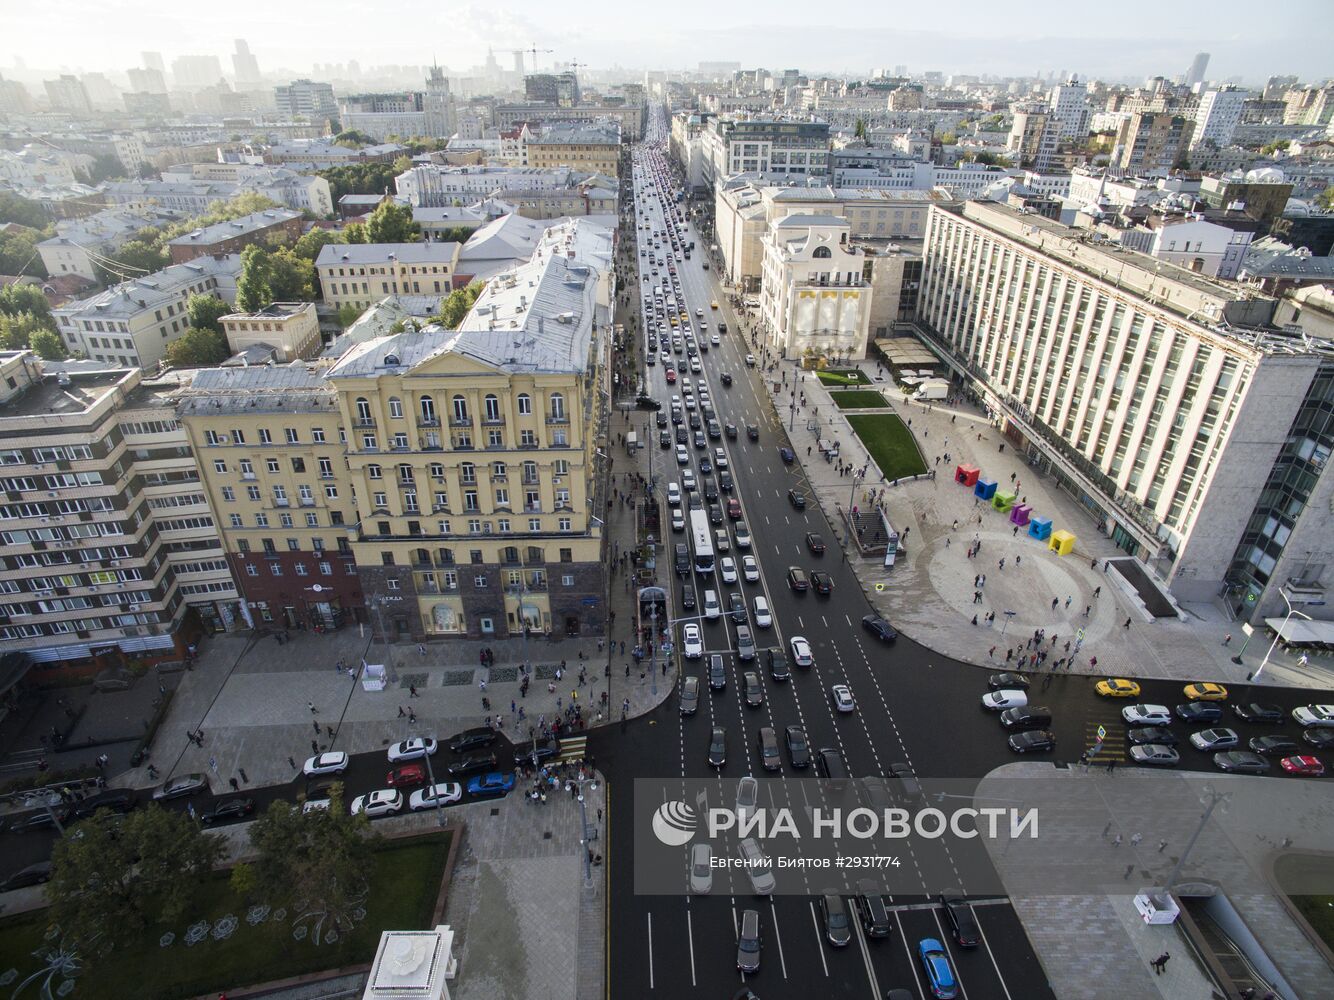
564	524
238	437
271	464
492	405
331	492
557	406
298	465
228	494
317	435
396	407
368	442
252	492
363	410
391	584
265	437
236	520
479	581
427	406
252	570
386	559
312	520
380	500
460	409
292	437
219	465
326	468
261	520
525	404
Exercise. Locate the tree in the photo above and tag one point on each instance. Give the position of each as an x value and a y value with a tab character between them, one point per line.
113	876
353	139
402	164
18	253
311	243
21	210
457	304
197	348
16	332
359	178
1325	199
1269	149
205	311
132	260
948	139
273	276
356	232
17	299
104	167
348	314
315	862
48	344
860	130
392	223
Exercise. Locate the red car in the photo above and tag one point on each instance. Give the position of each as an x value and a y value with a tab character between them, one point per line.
408	774
1309	766
671	377
733	508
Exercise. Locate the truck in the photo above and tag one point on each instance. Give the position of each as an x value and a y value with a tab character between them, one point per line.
933	388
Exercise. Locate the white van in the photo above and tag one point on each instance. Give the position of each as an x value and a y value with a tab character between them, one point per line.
763	619
712	609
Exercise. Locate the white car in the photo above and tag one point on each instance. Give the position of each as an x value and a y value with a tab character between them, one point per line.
701	869
755	863
384	802
316	805
750	569
727	566
673	494
801	651
842	697
763	619
1147	715
720	458
998	701
333	762
715	340
694	644
747	793
435	796
1320	716
413	749
682	455
690	400
688	480
678	519
712	609
750	360
694	367
703	385
699	312
742	535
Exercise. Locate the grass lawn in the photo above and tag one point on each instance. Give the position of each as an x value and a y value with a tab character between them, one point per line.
404	885
1295	870
890	444
850	376
858	399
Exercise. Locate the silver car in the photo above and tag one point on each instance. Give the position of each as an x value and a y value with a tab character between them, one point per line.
701	869
753	860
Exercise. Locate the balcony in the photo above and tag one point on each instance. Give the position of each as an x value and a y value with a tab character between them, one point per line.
248	477
307	501
281	502
428	421
462	444
460	421
363	422
558	419
497	421
532	508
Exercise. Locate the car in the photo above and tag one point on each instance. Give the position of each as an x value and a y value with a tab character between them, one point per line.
909	787
748	943
331	762
766	742
963	924
801	651
725	481
1321	739
34	874
874	913
227	809
777	665
710	491
750	569
1146	715
1117	687
671	377
936	964
822	583
1032	741
692	641
734	508
720	458
787	455
815	542
1026	717
1206	691
747	795
879	628
1152	734
689	695
688	480
682	455
1215	739
999	701
713	304
1253	711
753	432
413	749
118	800
472	764
1012	681
699	312
408	774
712	610
678	520
798	747
435	796
1153	755
750	358
834	915
184	785
717	673
715	512
753	688
737	608
797	500
841	696
539	749
717	746
745	643
725	378
382	802
665	439
1205	712
470	739
1305	765
492	784
742	534
1273	746
763	617
797	580
1241	762
701	869
757	867
1314	715
727	569
648	403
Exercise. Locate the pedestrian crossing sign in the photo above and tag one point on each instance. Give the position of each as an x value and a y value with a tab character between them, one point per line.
1102	733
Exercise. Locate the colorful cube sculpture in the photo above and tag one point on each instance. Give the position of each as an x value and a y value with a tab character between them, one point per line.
1040	528
985	489
1003	501
1021	514
1061	542
966	475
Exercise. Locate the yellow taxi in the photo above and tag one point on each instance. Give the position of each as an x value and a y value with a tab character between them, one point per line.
685	318
713	304
1117	687
1205	692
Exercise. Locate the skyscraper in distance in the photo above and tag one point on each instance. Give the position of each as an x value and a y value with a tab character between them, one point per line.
1197	70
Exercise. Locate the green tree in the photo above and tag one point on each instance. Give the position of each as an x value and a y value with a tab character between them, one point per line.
205	311
353	139
103	168
254	285
948	138
17	299
16	332
356	232
197	348
48	344
311	243
1325	199
1270	148
392	223
860	130
132	260
332	126
21	210
457	304
402	164
315	863
18	254
114	877
273	276
348	314
360	178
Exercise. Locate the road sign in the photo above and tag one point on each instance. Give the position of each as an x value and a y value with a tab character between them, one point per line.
1080	635
1102	733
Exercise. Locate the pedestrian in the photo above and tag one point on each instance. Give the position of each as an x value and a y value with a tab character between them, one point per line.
412	718
1162	846
1018	560
1087	609
236	785
1093	663
1054	602
314	747
1116	842
421	649
1130	869
1127	622
330	730
311	705
401	713
991	653
1068	599
1106	830
1135	839
1097	592
1111	765
317	728
291	762
412	690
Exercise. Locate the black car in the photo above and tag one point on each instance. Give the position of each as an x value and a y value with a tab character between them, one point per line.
1161	735
738	611
963	925
715	514
787	455
874	913
41	820
681	436
1032	741
730	430
752	430
767	740
1200	712
661	419
541	749
647	403
725	378
1321	739
687	598
471	739
1274	746
227	809
725	481
120	800
718	746
822	582
815	542
908	786
472	764
1255	712
798	749
796	579
778	668
717	673
879	628
710	490
664	439
1007	682
797	500
834	911
32	875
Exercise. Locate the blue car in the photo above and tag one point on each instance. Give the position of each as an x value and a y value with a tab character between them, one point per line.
494	783
936	963
786	455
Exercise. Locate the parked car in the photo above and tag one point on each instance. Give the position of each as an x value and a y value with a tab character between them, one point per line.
1117	687
1010	681
118	800
1271	715
999	701
472	764
1205	692
332	762
1214	739
471	739
492	785
413	749
184	785
963	924
1314	715
1274	746
1205	712
382	802
1142	735
435	796
1032	741
879	628
1241	762
1146	715
1154	755
227	809
1305	765
34	874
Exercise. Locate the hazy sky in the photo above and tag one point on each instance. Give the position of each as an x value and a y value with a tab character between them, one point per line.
1120	38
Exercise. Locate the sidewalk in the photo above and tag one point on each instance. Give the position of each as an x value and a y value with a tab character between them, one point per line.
928	593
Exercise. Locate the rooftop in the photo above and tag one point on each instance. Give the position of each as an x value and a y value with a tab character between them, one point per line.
563	133
263	389
48	398
220	231
275	310
129	298
379	253
803	221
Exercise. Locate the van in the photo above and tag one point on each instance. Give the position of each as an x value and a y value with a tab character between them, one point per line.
745	643
682	559
711	607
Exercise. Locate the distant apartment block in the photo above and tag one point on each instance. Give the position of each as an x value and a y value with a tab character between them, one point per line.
360	274
291	329
273	226
309	99
80	243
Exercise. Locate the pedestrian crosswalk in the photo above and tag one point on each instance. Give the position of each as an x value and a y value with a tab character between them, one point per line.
573	748
1113	737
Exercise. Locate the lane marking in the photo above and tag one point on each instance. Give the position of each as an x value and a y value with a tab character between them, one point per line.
990	954
782	961
650	949
819	938
690	936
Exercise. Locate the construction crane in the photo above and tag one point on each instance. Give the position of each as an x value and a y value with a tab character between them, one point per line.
535	50
574	65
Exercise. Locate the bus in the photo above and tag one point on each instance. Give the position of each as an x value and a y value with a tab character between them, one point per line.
702	535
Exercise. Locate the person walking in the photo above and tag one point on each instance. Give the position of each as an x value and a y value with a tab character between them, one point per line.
311	705
236	785
1135	839
1227	639
244	777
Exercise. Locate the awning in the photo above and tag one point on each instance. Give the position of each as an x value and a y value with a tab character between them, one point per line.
1300	632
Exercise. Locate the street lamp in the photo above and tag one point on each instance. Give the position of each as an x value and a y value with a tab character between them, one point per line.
1216	798
377	605
584	842
1288	617
430	776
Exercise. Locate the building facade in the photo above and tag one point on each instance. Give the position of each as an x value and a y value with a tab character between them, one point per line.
1152	143
292	329
767	146
362	273
594	147
309	99
272	226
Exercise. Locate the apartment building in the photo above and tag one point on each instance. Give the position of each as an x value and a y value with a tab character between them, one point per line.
588	146
79	243
796	148
450	473
632	117
1193	430
434	186
109	541
1217	116
361	273
272	226
1152	142
192	188
291	329
132	323
306	98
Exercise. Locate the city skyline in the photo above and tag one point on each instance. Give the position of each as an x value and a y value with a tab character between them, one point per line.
56	40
